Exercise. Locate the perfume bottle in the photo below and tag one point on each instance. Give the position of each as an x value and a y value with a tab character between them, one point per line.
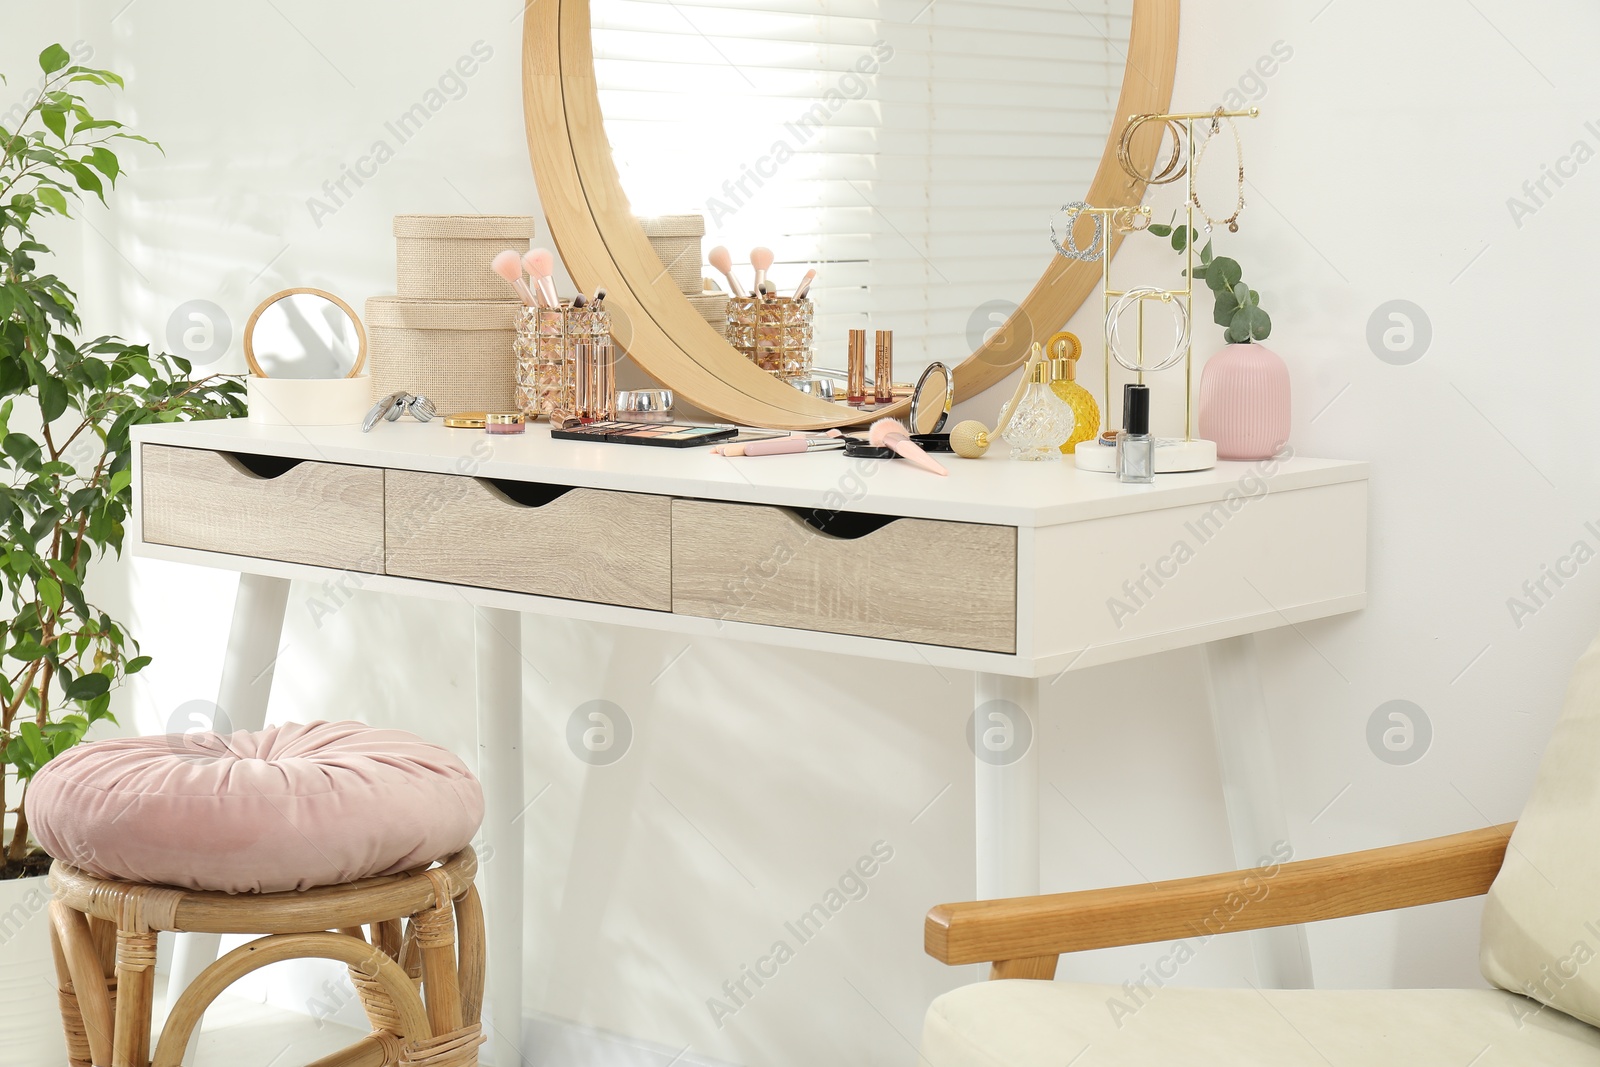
1042	420
1136	448
1065	350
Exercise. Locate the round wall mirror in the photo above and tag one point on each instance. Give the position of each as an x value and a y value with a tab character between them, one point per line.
912	154
304	333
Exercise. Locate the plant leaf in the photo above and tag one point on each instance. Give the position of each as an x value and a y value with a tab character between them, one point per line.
1249	324
1224	311
55	120
49	592
87	686
1223	273
51	198
52	399
53	59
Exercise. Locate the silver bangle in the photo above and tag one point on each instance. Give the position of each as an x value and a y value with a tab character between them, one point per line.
1180	332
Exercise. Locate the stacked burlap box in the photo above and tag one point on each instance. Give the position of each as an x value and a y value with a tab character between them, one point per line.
676	240
449	331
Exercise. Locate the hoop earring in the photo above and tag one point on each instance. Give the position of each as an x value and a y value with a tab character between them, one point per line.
1180	330
1176	166
1066	242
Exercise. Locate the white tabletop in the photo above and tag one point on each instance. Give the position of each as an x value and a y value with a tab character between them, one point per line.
991	490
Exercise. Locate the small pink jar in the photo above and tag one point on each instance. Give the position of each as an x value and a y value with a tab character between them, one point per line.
1244	402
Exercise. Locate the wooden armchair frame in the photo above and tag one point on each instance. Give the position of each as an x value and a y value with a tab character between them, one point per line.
1023	937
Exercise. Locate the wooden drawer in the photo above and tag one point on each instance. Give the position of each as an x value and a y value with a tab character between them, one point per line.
936	583
298	511
580	544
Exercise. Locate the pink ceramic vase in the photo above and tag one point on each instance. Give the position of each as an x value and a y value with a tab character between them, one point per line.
1244	402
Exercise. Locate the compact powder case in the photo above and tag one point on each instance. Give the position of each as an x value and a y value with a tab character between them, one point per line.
466	420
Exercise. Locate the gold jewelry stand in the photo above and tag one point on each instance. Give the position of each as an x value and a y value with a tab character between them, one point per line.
1123	216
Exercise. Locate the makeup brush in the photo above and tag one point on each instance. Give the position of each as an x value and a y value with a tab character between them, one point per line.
891	433
540	265
971	439
720	258
761	259
509	267
579	301
804	287
599	300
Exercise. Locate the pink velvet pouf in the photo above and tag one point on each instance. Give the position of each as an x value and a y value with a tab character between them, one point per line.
286	808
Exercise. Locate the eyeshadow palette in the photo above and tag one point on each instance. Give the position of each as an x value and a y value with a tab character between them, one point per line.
660	434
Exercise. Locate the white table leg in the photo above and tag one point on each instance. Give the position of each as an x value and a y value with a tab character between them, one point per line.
242	696
498	638
1253	795
1004	741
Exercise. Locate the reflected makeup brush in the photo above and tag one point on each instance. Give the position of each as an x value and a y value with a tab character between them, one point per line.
509	266
761	259
891	433
540	265
804	287
720	258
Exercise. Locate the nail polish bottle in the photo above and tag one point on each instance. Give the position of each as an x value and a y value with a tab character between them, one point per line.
1136	448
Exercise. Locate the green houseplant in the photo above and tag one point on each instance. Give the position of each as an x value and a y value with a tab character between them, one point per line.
66	409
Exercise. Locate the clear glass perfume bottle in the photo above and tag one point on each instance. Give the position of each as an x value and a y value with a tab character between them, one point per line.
1042	420
1136	447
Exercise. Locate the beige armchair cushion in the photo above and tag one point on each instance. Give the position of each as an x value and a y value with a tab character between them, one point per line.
1541	921
1052	1024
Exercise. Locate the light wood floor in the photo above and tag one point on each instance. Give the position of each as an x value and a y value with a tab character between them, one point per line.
246	1033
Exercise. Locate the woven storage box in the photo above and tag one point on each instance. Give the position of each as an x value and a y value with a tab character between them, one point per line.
714	308
459	354
447	257
676	239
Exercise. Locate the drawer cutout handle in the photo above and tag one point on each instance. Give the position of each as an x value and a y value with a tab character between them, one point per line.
265	468
526	494
843	525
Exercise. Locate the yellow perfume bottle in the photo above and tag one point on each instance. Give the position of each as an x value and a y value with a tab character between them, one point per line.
1064	349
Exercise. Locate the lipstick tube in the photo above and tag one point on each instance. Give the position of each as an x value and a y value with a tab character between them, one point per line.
883	369
857	368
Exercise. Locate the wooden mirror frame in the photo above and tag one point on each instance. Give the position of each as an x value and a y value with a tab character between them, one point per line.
250	329
603	244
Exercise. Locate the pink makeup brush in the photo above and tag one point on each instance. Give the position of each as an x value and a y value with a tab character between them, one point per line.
804	287
761	260
509	267
891	433
720	258
540	265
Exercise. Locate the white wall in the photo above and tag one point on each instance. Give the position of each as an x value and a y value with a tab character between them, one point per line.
1380	170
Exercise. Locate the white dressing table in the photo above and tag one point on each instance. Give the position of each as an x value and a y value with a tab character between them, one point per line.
1016	572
